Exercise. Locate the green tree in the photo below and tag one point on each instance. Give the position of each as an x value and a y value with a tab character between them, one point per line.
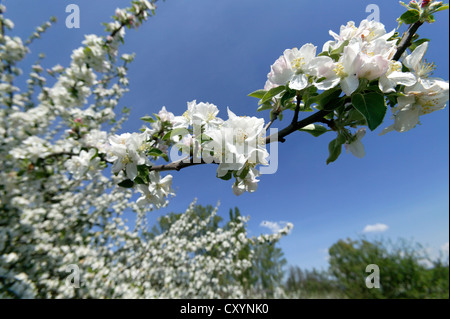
402	265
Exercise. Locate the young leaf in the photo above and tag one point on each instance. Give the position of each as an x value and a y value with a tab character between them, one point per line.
259	94
271	93
155	152
372	106
410	17
139	180
327	100
148	119
287	96
227	176
314	129
180	131
265	106
443	7
244	172
143	173
335	148
128	183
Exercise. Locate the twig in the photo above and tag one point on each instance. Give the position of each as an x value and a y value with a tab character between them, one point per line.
297	109
274	118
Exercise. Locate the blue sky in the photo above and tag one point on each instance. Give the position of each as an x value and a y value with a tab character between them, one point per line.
218	52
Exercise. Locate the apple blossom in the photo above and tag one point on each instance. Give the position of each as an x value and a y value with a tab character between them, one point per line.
425	97
127	151
415	62
355	146
293	67
394	76
85	164
157	191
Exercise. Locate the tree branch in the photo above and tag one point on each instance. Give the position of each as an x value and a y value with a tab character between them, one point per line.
405	42
297	109
176	166
295	125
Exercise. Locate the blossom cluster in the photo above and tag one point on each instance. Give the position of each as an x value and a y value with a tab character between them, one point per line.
236	145
359	62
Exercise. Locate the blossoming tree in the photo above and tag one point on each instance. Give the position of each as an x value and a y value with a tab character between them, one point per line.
60	205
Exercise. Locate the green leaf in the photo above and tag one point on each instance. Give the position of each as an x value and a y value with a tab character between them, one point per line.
259	94
324	53
271	93
410	17
244	172
314	129
155	152
338	51
139	180
430	19
265	106
87	50
148	118
128	183
334	148
443	7
287	96
414	45
143	173
227	176
95	155
180	131
355	116
372	106
328	100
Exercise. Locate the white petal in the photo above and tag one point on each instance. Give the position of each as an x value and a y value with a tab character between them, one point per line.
252	186
308	51
131	170
231	114
238	189
403	78
386	85
349	84
406	120
412	61
299	82
327	84
357	149
387	129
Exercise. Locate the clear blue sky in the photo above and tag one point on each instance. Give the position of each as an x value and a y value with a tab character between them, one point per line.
218	52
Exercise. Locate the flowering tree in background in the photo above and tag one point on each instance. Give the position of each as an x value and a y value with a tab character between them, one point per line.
60	206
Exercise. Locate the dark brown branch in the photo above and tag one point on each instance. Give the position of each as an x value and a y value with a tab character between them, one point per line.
176	166
405	42
316	117
331	124
274	117
297	109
